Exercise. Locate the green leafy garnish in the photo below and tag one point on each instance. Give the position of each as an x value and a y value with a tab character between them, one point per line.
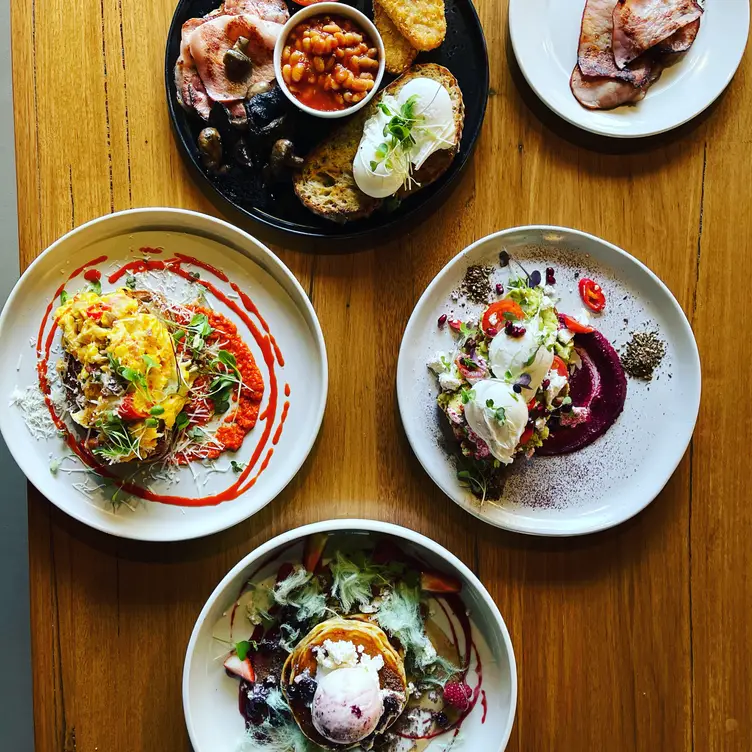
157	410
238	467
243	648
118	443
130	282
467	331
95	286
64	297
467	395
398	132
181	421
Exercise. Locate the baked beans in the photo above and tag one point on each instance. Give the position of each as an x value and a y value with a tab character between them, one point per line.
329	63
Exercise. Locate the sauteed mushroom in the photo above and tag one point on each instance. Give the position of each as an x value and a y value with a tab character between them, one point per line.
210	148
283	158
237	64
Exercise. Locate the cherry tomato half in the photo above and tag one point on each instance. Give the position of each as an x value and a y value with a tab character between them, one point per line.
127	410
527	434
592	295
573	325
498	313
560	367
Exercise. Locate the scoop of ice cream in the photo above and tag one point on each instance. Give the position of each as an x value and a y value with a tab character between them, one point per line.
347	705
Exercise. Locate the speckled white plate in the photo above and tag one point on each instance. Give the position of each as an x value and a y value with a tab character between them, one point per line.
619	474
210	697
545	35
286	310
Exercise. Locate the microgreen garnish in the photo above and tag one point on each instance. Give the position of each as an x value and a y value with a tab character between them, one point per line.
151	422
475	480
237	467
64	297
157	410
95	286
196	433
467	395
224	382
469	364
130	282
194	276
118	443
498	412
132	376
199	330
467	331
181	421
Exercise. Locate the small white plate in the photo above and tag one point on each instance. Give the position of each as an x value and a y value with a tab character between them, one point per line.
545	36
618	475
288	314
210	697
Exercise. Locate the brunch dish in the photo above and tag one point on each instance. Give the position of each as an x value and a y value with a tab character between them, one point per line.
159	357
349	635
525	375
628	68
254	85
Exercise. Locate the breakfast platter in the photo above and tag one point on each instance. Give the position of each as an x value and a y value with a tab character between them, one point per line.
298	151
525	375
465	629
159	373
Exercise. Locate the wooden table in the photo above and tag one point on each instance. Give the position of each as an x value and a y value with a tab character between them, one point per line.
634	639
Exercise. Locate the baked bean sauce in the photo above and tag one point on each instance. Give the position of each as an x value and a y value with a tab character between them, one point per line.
329	63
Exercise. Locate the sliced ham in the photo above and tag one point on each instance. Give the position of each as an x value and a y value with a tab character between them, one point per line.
211	40
595	56
682	40
268	10
603	93
640	25
191	91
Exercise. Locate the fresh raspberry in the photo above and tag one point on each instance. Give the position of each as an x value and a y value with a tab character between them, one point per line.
458	695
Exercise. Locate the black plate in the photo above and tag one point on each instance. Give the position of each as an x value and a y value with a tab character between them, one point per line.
463	53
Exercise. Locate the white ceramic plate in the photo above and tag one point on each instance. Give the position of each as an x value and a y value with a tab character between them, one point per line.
210	698
545	35
619	474
280	300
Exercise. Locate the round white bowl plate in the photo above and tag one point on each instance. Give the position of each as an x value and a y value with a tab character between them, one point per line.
619	474
545	35
210	697
279	298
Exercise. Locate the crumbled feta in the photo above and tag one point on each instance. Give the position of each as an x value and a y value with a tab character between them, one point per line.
344	654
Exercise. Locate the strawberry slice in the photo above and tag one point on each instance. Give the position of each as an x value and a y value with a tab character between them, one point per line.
241	669
314	551
437	582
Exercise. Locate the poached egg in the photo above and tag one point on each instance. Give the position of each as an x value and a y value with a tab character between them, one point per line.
502	433
435	130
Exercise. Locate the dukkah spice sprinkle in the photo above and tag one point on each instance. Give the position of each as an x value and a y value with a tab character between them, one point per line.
477	284
644	353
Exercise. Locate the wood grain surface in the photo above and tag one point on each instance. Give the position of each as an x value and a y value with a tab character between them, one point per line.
634	639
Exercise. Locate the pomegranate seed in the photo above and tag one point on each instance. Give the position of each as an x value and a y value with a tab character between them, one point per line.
514	331
454	324
442	319
491	332
499	289
550	279
546	383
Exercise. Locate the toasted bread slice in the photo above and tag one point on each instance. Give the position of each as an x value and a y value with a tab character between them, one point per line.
400	54
326	184
422	22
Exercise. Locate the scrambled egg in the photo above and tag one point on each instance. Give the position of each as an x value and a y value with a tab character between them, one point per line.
128	364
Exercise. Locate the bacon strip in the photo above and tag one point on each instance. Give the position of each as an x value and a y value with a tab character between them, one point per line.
640	25
682	40
191	91
603	93
211	40
267	10
595	56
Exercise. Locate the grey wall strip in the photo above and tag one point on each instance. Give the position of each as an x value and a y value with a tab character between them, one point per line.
16	721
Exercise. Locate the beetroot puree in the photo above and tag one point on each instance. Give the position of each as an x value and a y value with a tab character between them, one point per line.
600	387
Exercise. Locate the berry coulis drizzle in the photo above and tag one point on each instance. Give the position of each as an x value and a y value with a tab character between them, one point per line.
263	338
